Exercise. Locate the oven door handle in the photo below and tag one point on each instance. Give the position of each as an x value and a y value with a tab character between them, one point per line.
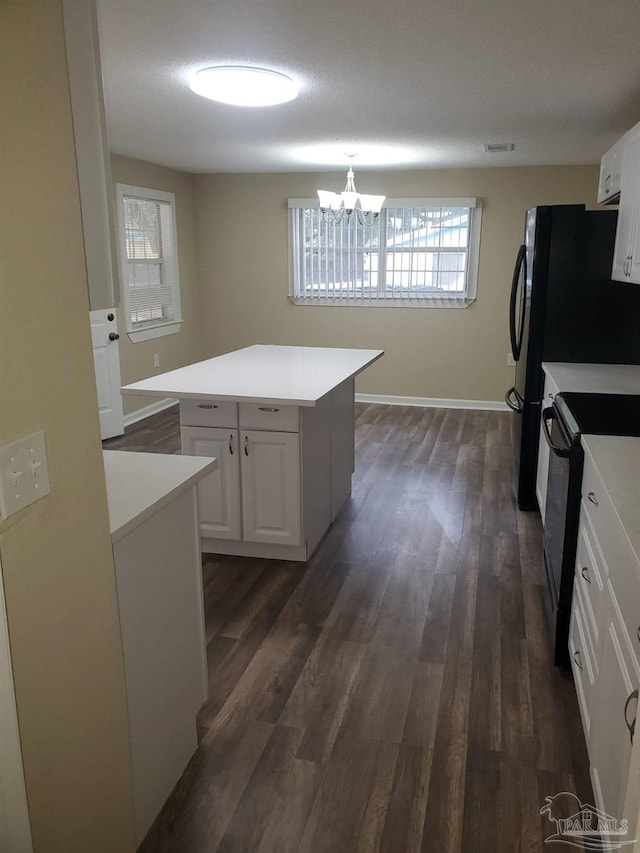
549	414
515	407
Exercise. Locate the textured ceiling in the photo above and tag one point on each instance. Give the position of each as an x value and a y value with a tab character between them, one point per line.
431	79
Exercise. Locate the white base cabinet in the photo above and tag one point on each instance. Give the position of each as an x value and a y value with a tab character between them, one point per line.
156	550
219	494
604	645
284	472
271	499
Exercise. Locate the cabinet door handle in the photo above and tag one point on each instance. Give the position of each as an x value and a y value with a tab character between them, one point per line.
630	265
591	496
246	445
268	409
638	633
585	574
231	443
607	183
576	657
207	406
630	725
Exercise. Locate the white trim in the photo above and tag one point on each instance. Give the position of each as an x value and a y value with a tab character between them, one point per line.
151	409
170	325
433	402
15	834
363	302
154	332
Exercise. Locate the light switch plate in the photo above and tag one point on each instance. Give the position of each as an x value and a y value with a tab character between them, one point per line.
24	473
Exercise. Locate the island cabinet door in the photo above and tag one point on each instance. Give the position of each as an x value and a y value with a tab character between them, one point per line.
271	486
219	491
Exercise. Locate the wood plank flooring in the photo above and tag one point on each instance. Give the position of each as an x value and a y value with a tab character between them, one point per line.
397	693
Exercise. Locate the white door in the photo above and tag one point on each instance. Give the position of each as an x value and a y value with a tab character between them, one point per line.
271	500
15	832
219	491
106	359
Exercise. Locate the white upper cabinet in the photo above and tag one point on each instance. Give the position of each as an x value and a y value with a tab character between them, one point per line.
626	257
611	173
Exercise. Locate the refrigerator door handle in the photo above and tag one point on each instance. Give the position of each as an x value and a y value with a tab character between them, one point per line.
509	400
516	334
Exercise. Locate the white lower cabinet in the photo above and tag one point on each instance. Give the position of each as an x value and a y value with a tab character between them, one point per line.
284	471
604	644
610	741
271	501
254	494
219	493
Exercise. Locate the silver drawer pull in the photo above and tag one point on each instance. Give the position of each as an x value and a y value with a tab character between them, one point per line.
268	409
585	574
207	406
630	725
576	657
591	496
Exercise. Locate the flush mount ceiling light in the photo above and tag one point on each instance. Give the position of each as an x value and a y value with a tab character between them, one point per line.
334	205
244	86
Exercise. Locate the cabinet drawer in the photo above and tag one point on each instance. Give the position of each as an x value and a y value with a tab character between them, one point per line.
265	416
214	413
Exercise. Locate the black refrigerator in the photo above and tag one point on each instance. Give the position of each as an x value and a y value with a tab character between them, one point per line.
564	306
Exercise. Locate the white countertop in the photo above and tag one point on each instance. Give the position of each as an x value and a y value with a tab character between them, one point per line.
594	378
617	460
271	374
139	484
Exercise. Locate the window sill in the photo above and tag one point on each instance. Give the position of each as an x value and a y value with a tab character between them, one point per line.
150	332
398	302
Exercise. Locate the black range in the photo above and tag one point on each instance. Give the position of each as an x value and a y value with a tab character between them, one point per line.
572	415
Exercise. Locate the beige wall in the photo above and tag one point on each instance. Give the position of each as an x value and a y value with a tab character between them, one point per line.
445	353
136	360
56	555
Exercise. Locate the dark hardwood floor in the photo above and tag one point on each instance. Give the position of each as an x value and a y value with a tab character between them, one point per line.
397	693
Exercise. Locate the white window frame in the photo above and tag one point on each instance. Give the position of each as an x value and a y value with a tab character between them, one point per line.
152	328
383	299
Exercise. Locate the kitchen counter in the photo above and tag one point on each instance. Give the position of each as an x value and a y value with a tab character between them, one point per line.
298	376
158	572
140	484
594	378
617	460
281	421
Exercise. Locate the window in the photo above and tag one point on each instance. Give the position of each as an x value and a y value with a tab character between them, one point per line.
149	259
421	253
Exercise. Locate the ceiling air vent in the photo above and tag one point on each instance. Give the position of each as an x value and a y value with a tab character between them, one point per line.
497	147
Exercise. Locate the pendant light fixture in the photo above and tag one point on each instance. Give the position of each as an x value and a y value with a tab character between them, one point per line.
334	206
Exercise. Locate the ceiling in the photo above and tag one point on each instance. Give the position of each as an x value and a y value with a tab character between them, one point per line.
428	81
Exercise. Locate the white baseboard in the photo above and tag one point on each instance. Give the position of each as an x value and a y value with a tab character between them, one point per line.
147	411
433	402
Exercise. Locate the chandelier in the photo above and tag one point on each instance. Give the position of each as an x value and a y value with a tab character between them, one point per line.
333	206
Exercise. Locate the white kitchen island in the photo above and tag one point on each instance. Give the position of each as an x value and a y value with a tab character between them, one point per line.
280	421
